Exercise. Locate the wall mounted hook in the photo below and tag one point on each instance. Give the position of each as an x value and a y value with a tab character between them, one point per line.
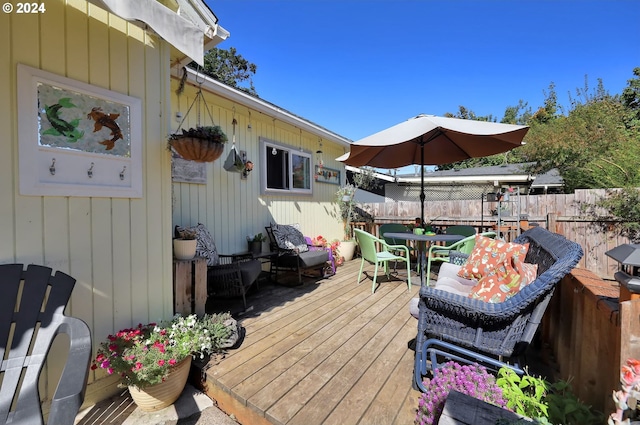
52	167
90	171
122	172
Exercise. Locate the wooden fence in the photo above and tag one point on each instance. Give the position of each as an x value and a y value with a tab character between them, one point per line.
558	213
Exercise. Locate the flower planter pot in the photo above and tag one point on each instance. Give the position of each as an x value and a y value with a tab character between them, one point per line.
159	396
255	247
184	249
197	150
347	249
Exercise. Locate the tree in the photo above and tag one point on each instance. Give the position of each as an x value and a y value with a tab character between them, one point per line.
591	146
230	68
631	101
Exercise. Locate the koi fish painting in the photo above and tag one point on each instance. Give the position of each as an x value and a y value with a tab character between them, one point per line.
78	121
106	120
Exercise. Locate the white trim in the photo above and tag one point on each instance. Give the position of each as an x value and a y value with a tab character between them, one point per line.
70	175
467	179
291	150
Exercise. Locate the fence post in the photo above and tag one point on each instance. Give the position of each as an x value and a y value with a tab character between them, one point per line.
552	220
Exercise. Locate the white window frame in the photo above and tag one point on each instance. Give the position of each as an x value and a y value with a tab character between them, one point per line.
265	146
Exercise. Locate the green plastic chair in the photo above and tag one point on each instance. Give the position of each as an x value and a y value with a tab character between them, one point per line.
395	228
368	251
441	253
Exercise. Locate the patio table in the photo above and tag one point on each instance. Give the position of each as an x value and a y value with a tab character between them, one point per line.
428	239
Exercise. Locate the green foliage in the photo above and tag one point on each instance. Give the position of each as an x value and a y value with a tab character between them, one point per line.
547	403
230	68
144	355
524	395
258	237
620	210
595	144
591	146
213	133
631	100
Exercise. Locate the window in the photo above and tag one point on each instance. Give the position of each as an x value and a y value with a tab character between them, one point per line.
285	169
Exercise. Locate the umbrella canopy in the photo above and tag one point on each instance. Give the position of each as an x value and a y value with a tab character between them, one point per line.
431	140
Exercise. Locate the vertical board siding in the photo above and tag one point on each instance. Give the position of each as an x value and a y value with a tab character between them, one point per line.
118	249
232	208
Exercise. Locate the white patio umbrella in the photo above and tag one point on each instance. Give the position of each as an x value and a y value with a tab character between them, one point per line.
430	140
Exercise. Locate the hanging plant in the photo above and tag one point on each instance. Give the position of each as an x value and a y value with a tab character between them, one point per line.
200	144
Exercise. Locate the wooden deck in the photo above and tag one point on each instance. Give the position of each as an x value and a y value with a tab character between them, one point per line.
327	352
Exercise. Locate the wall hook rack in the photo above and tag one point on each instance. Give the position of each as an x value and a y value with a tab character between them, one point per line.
90	171
52	167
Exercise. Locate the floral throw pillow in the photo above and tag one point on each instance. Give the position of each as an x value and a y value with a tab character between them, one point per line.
288	237
489	254
205	246
498	286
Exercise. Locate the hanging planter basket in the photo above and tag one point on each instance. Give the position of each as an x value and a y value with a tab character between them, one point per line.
200	144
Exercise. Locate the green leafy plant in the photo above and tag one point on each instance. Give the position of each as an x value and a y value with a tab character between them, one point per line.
212	133
144	355
547	403
525	395
258	237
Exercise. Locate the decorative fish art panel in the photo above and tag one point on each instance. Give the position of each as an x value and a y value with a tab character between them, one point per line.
72	120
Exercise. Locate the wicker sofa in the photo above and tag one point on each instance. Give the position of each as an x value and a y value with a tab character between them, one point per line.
455	327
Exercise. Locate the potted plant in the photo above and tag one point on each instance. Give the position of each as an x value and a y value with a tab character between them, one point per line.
255	243
200	144
153	360
347	214
184	246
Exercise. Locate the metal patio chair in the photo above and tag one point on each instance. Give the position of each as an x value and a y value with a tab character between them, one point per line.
369	252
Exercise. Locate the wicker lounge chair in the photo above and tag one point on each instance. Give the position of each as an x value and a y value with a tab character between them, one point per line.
293	253
468	330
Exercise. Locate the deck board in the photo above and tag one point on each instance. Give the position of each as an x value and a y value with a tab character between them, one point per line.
325	352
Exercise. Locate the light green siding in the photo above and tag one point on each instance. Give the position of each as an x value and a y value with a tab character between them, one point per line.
119	250
233	208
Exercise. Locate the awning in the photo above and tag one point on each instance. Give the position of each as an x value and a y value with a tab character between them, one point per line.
186	35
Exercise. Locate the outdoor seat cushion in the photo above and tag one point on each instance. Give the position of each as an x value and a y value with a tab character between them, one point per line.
305	259
288	237
249	271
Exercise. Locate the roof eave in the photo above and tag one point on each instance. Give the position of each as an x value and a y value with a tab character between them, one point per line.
259	105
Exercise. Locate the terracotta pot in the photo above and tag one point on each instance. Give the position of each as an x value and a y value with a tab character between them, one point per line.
159	396
184	249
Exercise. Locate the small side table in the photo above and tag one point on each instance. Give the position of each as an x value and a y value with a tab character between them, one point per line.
189	286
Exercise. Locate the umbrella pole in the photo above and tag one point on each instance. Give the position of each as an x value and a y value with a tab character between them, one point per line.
422	265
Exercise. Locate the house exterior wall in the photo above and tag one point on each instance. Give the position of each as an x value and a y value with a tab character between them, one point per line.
119	250
232	208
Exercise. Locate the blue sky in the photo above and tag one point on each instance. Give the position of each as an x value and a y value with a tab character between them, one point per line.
359	66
